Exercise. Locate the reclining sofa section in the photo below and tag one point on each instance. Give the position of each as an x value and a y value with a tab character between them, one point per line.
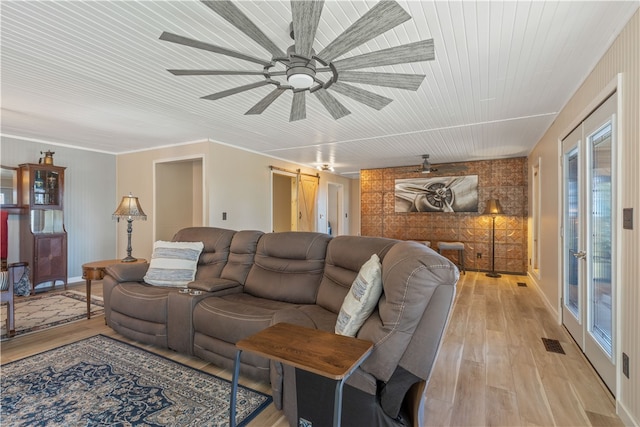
251	280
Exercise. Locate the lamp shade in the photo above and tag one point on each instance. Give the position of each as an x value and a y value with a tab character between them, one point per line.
129	208
493	207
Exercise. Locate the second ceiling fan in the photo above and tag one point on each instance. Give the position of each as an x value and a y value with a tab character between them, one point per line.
299	63
427	167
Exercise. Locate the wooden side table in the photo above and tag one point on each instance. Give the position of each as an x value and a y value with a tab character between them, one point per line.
323	353
95	271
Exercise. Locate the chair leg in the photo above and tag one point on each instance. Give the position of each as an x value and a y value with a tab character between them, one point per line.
16	270
11	327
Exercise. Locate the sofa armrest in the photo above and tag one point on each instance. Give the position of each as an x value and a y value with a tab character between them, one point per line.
213	285
127	272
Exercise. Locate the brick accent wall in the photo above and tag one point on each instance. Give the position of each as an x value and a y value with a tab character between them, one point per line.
504	179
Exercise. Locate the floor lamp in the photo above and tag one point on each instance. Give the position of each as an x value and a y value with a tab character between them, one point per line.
494	209
130	209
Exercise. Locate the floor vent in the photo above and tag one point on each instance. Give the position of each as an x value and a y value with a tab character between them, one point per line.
522	284
553	346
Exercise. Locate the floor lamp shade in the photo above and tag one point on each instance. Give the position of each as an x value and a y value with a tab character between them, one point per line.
130	209
493	208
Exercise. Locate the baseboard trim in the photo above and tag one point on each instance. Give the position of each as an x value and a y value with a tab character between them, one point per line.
553	309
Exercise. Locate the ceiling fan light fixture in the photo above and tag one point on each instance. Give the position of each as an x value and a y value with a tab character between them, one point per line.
300	58
325	167
300	81
426	166
300	70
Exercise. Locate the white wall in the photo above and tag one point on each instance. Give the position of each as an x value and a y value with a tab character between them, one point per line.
89	199
618	69
237	182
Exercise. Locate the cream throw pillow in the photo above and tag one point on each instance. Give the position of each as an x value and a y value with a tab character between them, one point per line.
362	298
173	263
4	280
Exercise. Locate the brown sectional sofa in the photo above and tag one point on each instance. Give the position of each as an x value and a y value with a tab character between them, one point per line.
251	280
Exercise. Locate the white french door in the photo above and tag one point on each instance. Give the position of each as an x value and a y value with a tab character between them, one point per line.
588	254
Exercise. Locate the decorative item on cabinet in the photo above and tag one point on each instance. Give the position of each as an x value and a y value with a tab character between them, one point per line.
43	238
48	158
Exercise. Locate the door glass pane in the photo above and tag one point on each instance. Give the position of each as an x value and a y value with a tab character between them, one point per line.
601	240
571	232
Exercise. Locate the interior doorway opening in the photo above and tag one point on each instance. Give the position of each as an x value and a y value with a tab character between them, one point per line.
535	205
284	213
335	209
178	196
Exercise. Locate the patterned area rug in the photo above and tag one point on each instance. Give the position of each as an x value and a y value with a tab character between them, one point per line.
34	313
103	381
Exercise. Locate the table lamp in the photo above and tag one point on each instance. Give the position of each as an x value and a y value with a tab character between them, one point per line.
130	209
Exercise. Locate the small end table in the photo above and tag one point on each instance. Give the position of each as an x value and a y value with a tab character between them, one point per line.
95	271
323	353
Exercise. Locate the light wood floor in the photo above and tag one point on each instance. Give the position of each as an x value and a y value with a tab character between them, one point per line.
492	369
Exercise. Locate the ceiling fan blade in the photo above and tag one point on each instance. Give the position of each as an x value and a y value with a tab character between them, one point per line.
174	38
450	168
215	73
298	106
230	12
333	106
395	80
412	52
265	102
371	99
306	15
380	18
235	90
278	73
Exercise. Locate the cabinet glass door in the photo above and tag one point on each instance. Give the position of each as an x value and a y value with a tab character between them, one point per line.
46	187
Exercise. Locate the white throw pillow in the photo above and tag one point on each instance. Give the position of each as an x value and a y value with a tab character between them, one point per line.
173	263
4	280
362	298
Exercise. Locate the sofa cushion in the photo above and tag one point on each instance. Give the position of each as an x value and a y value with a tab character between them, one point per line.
288	266
411	274
216	248
308	315
141	301
173	263
241	254
231	318
361	299
345	256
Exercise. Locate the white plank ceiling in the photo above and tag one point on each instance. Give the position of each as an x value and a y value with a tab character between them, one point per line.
92	74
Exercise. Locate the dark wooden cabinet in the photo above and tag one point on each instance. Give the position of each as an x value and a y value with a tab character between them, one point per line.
43	238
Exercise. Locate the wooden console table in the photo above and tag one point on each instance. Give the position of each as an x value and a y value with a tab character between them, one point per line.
95	271
323	353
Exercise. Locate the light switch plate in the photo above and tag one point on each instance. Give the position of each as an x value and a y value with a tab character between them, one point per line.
627	218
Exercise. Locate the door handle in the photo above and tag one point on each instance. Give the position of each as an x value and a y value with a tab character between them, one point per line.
580	255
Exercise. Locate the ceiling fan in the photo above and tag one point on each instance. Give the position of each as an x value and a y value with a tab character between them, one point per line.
426	167
299	62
